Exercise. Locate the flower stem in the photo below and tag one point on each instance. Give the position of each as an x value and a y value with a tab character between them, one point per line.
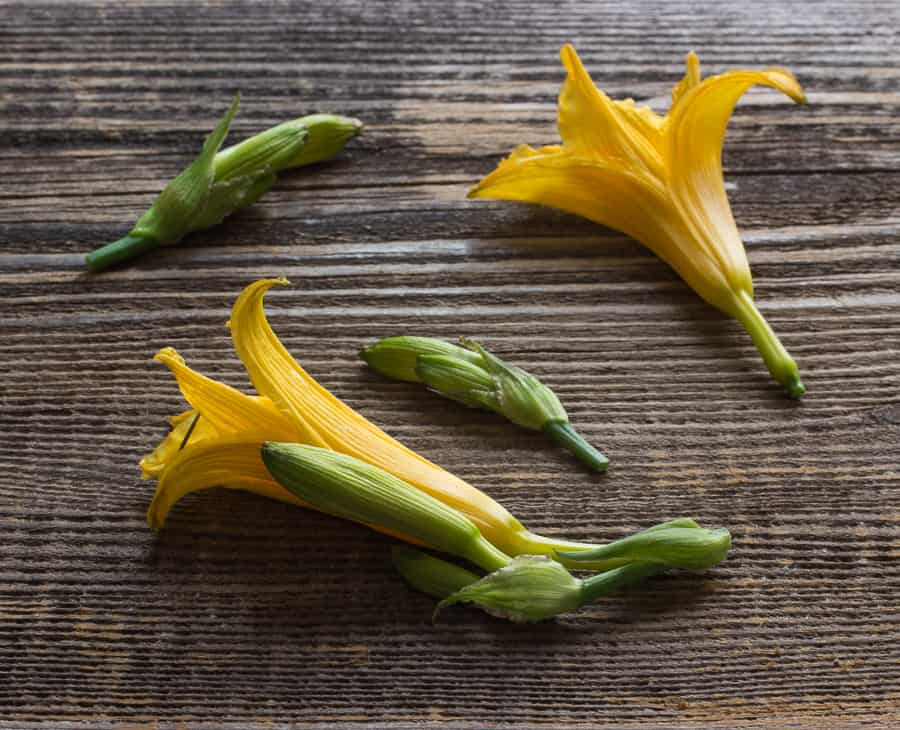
486	556
612	580
119	251
780	364
564	435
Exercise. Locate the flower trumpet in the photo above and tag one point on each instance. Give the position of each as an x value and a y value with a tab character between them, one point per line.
477	378
659	180
219	183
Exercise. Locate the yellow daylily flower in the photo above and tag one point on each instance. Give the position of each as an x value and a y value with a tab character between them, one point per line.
658	179
224	447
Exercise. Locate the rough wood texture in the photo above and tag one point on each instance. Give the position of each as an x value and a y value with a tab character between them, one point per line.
246	614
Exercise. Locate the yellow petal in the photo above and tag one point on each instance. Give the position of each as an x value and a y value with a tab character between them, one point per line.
310	407
153	463
234	463
226	408
695	132
609	195
591	125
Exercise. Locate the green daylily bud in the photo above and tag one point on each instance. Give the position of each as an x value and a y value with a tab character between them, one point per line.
534	588
428	574
218	184
395	357
479	379
346	487
675	544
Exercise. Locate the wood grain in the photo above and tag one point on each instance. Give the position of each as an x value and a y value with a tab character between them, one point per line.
245	614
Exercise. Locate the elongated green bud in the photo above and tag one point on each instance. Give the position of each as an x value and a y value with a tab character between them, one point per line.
217	184
347	487
676	544
430	575
479	379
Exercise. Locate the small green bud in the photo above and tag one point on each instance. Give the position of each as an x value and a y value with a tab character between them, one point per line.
531	588
534	587
395	357
675	544
218	184
429	574
479	379
346	487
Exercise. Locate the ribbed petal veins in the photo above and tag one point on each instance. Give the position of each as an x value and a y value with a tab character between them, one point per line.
312	409
695	132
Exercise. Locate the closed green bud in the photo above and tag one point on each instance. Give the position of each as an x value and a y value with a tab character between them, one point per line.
429	574
677	544
479	379
218	184
534	588
346	487
531	588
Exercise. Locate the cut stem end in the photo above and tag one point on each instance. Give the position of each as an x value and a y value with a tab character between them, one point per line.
564	435
119	251
779	362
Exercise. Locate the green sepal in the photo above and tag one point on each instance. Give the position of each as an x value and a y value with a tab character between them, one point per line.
521	397
230	196
183	200
428	574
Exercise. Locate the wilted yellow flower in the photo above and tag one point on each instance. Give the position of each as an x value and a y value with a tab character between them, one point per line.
657	179
224	447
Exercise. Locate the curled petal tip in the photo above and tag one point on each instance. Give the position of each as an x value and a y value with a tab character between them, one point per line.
168	354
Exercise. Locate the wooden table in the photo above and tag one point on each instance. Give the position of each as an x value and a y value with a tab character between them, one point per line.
245	613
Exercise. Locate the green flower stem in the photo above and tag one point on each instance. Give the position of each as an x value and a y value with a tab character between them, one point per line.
564	435
613	580
780	364
119	251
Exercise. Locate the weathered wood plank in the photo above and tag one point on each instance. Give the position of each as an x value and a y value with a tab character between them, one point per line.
245	614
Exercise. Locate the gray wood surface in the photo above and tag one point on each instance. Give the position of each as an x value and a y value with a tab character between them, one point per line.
244	613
